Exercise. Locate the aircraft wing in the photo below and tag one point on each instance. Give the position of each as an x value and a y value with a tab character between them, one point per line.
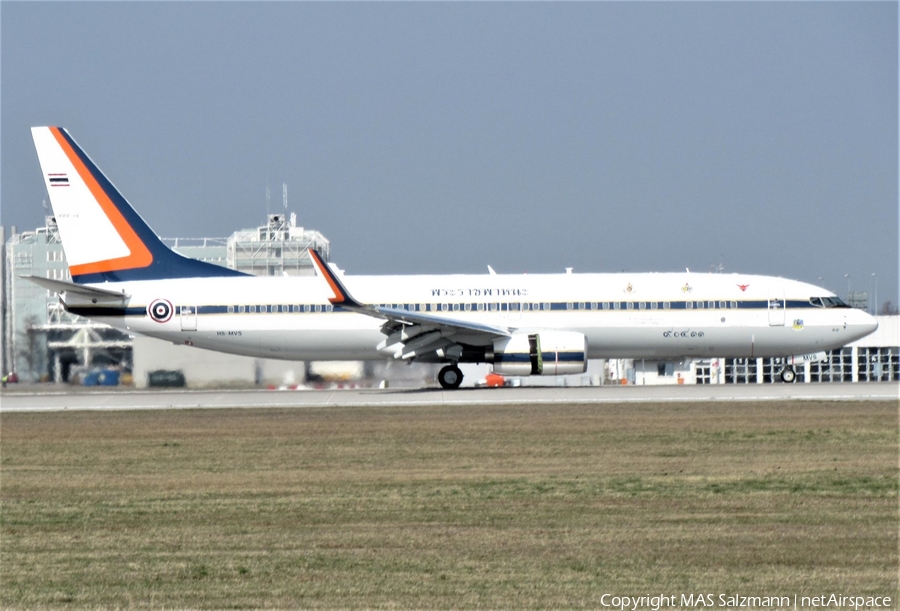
412	334
416	318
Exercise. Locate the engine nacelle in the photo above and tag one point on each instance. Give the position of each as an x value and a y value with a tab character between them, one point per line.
547	353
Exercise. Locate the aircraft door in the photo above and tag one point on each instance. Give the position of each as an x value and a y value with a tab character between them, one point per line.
188	318
776	307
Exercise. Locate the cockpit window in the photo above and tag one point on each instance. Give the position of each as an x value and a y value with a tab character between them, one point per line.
827	302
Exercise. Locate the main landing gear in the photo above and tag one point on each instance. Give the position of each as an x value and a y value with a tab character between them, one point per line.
788	375
450	377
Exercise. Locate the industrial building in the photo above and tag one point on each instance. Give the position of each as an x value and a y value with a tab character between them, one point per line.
42	342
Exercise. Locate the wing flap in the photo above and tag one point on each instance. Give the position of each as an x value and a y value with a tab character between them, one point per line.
417	318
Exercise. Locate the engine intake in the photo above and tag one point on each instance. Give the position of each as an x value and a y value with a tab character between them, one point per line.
548	353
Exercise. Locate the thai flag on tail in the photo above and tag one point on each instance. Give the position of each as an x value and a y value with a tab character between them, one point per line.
58	180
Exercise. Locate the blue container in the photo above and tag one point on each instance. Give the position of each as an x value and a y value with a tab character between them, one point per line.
92	378
109	377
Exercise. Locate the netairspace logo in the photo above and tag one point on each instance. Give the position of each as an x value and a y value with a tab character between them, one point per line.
733	601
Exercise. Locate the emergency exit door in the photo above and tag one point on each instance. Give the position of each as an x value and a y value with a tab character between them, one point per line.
188	318
776	307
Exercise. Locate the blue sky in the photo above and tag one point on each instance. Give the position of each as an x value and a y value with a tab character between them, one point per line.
444	137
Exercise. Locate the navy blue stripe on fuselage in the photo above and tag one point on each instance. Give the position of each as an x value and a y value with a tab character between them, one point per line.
320	308
100	311
166	262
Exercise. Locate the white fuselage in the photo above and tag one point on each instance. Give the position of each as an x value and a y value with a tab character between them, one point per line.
625	315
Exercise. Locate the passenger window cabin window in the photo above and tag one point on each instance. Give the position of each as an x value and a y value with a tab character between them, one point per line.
231	309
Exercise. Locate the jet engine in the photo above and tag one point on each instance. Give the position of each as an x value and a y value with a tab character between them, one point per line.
546	353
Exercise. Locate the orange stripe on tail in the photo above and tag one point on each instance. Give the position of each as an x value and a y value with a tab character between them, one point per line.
340	296
139	255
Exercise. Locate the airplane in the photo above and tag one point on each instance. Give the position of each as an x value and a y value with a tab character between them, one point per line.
522	324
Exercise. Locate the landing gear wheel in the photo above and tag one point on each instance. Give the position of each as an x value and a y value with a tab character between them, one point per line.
788	375
450	377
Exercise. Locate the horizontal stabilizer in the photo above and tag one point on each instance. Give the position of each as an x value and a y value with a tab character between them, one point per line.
63	286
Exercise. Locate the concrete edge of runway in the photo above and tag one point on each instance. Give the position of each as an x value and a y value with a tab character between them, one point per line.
117	400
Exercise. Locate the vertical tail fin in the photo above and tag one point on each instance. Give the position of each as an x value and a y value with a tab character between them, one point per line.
104	239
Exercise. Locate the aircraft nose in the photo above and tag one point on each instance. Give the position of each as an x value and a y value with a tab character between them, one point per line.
871	324
865	323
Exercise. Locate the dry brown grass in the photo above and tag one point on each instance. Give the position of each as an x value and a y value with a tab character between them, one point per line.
446	507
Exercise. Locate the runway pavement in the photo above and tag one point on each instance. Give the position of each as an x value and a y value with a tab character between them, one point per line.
36	399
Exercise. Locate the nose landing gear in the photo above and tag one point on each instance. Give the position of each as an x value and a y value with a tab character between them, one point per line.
788	375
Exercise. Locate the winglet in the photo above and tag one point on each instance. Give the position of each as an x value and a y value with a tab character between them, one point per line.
342	296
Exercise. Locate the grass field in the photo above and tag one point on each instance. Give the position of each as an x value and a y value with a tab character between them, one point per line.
446	507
